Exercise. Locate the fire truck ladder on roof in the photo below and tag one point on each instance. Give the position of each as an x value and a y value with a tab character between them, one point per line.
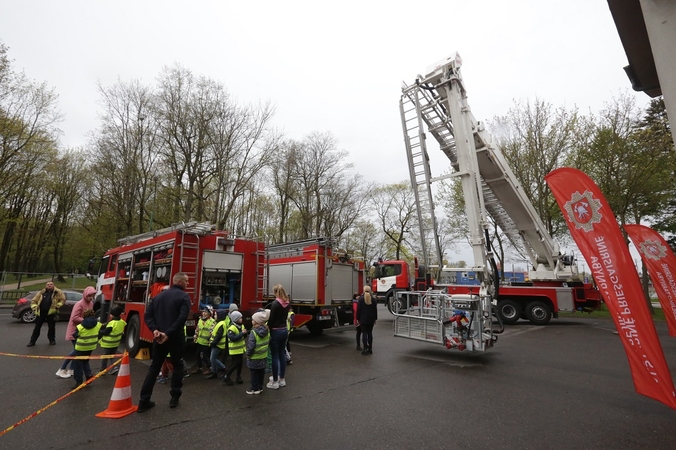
198	228
294	248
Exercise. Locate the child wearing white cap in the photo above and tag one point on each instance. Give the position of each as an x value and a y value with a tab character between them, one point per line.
257	351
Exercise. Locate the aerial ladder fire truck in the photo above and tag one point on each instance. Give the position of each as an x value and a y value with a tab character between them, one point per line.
462	316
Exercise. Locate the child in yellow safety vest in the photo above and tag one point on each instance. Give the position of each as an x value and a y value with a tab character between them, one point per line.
86	336
202	337
111	337
257	351
236	346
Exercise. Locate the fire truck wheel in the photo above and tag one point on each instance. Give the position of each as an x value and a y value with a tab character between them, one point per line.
539	313
394	304
509	311
133	335
315	327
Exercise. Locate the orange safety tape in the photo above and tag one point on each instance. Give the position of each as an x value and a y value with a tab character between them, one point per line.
116	355
41	410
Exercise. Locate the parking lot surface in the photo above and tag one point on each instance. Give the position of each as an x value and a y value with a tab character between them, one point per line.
566	385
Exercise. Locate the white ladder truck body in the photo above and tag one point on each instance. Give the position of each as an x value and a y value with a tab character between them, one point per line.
461	316
438	102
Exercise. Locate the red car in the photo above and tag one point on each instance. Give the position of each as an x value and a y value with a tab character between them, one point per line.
22	310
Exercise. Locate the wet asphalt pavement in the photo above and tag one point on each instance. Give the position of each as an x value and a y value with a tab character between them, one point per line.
566	385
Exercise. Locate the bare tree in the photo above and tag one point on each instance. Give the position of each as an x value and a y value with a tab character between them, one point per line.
283	184
66	178
242	148
125	154
536	139
395	210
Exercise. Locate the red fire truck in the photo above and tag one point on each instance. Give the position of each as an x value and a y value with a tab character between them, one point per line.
222	270
319	280
393	276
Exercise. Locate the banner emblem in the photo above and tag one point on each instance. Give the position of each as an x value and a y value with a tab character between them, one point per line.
652	249
583	210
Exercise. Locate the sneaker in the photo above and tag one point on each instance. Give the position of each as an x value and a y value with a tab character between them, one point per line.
31	344
173	403
62	373
114	370
144	406
162	380
70	372
250	392
52	342
273	385
228	381
258	391
289	362
239	380
282	382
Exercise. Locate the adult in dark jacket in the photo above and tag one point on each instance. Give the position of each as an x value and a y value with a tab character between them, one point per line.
166	316
367	314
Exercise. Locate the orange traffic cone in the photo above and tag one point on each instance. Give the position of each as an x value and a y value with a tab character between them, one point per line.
120	402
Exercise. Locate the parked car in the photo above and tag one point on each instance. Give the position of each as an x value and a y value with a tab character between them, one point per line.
22	310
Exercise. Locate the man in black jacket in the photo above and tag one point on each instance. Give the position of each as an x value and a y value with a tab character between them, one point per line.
166	316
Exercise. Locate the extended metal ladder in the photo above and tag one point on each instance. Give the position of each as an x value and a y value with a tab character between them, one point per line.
428	101
417	107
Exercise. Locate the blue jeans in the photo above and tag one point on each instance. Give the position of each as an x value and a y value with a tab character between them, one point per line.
216	363
81	367
64	366
278	351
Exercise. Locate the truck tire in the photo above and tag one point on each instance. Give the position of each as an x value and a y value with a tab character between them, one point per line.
388	302
315	327
132	335
538	313
509	311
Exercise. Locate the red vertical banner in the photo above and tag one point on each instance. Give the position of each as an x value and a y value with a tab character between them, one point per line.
593	226
661	263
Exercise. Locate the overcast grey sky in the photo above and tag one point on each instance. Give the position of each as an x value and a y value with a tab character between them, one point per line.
334	67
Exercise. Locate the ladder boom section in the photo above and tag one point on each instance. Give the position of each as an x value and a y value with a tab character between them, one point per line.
413	107
441	104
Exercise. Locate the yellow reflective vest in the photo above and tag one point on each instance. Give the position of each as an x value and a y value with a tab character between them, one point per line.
203	331
221	342
113	339
236	347
87	338
262	343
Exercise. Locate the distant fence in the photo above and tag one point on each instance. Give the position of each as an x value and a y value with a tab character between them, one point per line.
10	297
23	282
